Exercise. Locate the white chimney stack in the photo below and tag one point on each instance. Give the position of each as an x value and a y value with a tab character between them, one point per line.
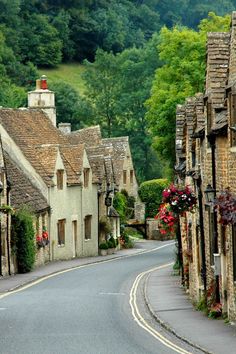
43	98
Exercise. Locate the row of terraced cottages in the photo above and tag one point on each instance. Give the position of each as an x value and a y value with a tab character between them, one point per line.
206	160
67	178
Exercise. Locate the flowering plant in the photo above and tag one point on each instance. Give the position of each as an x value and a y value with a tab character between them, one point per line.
166	219
180	200
42	240
226	204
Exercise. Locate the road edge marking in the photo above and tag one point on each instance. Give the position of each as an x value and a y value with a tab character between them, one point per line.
141	321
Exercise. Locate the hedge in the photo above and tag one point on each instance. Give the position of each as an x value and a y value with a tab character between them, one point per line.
150	192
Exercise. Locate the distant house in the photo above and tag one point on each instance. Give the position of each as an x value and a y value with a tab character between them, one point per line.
122	164
67	179
59	171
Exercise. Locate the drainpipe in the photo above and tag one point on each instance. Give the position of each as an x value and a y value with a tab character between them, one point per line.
202	236
212	140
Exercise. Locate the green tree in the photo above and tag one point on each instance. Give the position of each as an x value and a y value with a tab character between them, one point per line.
182	74
70	106
40	42
101	89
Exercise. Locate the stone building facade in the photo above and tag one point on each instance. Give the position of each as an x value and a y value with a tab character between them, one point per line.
206	159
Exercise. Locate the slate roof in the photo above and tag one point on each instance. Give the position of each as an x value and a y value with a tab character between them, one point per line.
217	66
23	192
39	140
118	148
89	136
73	160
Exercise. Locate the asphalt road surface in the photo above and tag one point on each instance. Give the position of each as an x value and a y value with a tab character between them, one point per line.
86	310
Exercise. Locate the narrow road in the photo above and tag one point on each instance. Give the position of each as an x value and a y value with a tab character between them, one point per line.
86	310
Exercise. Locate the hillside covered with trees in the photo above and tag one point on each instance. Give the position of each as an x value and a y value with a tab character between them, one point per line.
141	58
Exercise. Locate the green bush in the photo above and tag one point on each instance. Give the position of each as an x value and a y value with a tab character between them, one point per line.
110	244
113	241
150	193
120	204
103	246
23	235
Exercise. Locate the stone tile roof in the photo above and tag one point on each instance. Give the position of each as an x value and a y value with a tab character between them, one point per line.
22	190
217	66
89	136
73	160
119	148
39	141
180	129
221	121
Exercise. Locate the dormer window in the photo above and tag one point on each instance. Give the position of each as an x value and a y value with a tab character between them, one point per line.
86	177
60	174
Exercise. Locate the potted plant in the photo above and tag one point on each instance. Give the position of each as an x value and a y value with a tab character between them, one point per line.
103	247
110	247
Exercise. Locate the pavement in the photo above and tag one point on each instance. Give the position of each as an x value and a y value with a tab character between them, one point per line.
165	297
170	306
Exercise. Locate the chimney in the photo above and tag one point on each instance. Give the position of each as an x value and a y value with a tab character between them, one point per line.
65	128
43	98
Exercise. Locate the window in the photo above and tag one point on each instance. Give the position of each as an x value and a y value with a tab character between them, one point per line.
61	231
131	176
86	177
234	250
124	177
232	103
60	174
87	227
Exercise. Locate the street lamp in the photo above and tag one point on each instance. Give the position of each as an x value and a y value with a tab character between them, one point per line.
210	193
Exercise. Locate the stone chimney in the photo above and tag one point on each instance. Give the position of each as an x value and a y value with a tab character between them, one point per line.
232	61
65	128
43	98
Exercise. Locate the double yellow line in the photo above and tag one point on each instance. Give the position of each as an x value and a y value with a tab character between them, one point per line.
141	321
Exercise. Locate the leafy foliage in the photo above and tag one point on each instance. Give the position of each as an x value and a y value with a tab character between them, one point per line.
120	204
226	204
23	240
150	193
182	74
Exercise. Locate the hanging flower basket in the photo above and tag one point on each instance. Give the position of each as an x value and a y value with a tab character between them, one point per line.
181	200
226	204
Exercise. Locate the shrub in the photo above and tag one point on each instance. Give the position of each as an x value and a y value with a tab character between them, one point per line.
110	244
23	239
113	241
103	246
150	193
120	204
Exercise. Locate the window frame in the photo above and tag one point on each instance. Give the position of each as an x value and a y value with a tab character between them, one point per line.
88	227
86	173
61	227
60	179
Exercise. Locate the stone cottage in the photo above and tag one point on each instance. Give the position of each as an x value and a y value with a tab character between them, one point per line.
205	156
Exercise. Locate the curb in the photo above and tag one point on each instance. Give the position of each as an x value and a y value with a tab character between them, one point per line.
166	325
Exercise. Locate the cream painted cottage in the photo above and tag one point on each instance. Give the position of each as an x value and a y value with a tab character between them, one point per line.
68	179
